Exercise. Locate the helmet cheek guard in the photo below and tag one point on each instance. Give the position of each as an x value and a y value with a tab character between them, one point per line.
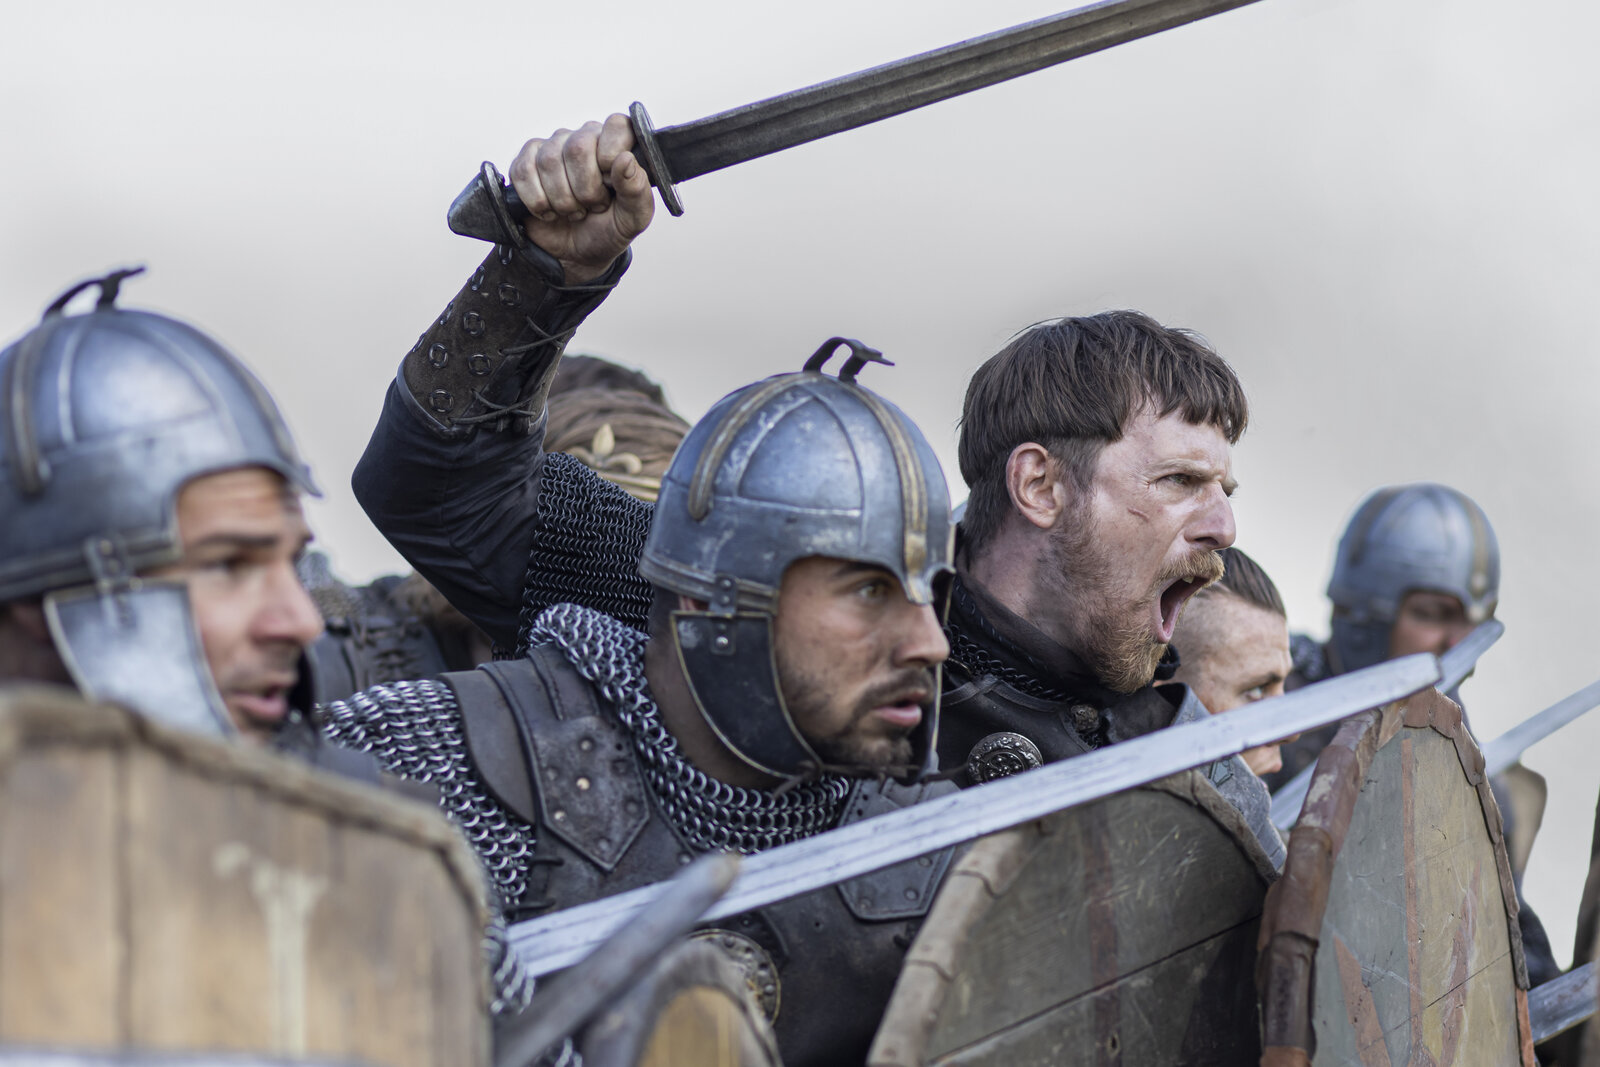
138	646
104	417
745	708
796	466
1404	539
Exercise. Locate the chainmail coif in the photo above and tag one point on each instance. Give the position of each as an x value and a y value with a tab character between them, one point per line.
709	814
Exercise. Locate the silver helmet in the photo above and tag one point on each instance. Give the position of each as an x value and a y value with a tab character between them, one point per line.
1404	538
104	417
795	466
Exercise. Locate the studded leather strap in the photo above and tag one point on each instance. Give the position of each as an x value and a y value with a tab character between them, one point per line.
489	357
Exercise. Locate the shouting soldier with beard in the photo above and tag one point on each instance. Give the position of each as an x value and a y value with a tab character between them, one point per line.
1097	454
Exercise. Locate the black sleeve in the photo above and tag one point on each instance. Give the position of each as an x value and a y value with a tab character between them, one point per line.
451	475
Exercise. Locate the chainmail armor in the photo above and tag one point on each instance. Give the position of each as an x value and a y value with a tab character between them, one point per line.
513	986
414	731
589	535
971	638
711	815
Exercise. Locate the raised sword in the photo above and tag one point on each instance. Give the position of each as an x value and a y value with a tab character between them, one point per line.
675	154
558	940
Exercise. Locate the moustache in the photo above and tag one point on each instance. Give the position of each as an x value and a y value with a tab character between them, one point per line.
894	690
1203	565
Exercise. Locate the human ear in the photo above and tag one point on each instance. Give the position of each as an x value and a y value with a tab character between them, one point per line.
1037	491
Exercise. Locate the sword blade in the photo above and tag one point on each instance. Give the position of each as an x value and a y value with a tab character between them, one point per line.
780	122
677	153
1454	666
552	942
1459	661
1506	749
1562	1003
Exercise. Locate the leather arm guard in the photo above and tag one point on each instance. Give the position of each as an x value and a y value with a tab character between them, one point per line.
489	357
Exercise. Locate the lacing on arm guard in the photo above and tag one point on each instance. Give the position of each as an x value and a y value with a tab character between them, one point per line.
414	730
489	358
588	537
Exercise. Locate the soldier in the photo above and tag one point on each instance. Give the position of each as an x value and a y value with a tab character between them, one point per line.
151	495
1417	568
1097	454
774	635
1235	641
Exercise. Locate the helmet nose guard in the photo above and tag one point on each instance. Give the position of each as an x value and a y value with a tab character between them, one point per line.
799	465
104	417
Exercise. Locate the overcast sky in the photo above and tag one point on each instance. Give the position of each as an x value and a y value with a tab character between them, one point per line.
1382	212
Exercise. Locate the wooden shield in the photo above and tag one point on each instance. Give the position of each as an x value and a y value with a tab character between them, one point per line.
694	1007
167	892
1392	937
1119	932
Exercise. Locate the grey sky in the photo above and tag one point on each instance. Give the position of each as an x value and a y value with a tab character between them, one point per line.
1381	211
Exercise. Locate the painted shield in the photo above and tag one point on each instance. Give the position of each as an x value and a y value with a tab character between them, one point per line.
161	890
1392	937
1119	932
696	1006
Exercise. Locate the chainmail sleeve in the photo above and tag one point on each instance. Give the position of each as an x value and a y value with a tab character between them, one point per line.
414	730
588	537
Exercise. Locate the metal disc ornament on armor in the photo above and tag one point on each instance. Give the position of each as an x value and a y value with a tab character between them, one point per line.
754	963
1001	754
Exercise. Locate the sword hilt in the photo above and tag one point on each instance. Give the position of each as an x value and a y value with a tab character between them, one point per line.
489	206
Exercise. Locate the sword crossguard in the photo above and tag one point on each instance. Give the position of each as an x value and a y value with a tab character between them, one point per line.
648	149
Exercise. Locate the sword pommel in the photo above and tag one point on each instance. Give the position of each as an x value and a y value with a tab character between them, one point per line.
487	209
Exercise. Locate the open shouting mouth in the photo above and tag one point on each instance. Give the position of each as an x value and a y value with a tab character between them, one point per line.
1173	597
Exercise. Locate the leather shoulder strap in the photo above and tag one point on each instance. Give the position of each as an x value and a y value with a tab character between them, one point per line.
494	741
590	792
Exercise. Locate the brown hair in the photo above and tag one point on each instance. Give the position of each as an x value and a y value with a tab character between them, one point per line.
1245	579
1072	385
639	426
592	372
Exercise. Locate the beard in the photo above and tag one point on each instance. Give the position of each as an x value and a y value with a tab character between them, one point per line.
1111	627
849	747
